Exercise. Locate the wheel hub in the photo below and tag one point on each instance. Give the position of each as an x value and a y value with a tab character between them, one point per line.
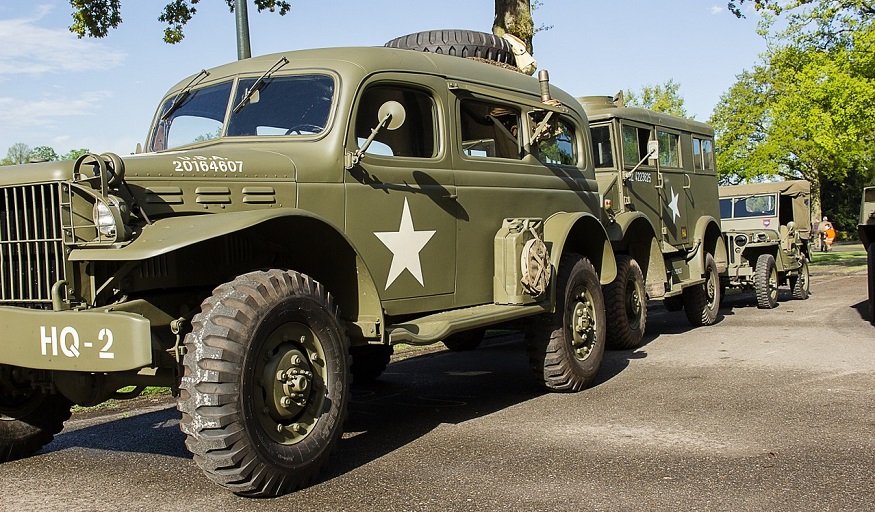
292	383
583	326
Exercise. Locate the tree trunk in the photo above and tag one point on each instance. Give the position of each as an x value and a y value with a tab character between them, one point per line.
514	17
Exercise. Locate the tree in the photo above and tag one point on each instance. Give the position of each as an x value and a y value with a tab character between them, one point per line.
515	17
18	153
73	154
659	98
95	18
804	112
43	153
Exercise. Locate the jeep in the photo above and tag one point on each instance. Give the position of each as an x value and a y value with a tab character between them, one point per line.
767	228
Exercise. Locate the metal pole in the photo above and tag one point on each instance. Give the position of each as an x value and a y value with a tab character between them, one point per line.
243	49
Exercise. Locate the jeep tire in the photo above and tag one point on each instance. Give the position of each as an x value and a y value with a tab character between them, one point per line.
626	305
29	419
461	43
766	281
566	347
800	283
702	301
265	388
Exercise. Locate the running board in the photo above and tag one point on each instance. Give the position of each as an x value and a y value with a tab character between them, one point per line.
436	327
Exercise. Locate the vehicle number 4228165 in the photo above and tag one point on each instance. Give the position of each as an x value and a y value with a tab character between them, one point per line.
68	342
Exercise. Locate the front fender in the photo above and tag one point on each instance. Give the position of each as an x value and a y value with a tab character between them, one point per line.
170	234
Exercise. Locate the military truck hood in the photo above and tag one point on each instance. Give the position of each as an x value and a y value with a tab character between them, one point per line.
222	161
28	174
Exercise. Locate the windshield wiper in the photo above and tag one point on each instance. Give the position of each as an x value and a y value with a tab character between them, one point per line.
258	83
183	94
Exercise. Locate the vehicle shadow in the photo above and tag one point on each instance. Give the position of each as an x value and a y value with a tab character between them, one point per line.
862	308
413	397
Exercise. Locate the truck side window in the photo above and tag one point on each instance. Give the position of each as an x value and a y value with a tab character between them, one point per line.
669	149
415	138
489	130
634	144
703	154
602	147
561	145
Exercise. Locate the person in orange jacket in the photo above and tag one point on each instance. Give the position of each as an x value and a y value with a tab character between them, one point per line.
828	234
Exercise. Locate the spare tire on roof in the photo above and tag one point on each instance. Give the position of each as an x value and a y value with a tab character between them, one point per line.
461	43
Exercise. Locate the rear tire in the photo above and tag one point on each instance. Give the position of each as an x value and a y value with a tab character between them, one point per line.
29	419
766	282
566	347
626	305
266	383
369	362
702	301
461	43
801	284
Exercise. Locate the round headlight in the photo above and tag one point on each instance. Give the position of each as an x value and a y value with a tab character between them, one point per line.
740	240
104	219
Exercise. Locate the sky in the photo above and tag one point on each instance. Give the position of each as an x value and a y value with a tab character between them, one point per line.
67	93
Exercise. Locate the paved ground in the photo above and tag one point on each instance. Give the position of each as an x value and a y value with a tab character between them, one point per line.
736	416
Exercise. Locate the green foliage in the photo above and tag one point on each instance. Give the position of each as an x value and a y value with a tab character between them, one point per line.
659	98
806	110
43	154
18	153
94	18
73	154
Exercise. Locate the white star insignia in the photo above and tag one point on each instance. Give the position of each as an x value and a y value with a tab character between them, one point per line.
405	244
673	206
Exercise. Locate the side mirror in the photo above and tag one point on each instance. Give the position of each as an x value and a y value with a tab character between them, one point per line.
395	113
390	116
652	149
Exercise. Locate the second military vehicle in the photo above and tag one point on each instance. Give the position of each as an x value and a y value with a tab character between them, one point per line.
867	235
658	187
767	228
292	217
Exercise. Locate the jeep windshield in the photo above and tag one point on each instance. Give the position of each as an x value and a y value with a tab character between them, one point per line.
763	205
293	106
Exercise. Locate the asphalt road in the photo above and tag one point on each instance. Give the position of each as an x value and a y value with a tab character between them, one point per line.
766	410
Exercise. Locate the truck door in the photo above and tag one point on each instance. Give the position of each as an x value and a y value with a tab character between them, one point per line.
400	194
676	189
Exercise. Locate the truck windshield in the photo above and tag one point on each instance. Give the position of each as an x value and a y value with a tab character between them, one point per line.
290	105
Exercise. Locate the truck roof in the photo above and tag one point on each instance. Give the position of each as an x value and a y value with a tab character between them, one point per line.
358	62
791	188
600	108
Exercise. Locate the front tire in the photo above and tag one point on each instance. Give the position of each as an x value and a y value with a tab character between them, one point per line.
702	301
29	419
266	383
626	305
566	347
766	281
369	362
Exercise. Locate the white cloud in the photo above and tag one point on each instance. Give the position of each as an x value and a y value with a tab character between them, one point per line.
716	9
26	47
16	113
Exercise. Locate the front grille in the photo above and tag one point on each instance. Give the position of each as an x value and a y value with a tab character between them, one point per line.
31	243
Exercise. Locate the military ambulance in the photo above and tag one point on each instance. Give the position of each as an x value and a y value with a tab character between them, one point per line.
291	218
658	199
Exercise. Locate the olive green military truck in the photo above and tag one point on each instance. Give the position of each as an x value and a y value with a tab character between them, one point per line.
767	228
658	190
291	218
867	235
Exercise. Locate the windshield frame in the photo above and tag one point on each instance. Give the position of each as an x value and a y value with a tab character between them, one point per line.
235	81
